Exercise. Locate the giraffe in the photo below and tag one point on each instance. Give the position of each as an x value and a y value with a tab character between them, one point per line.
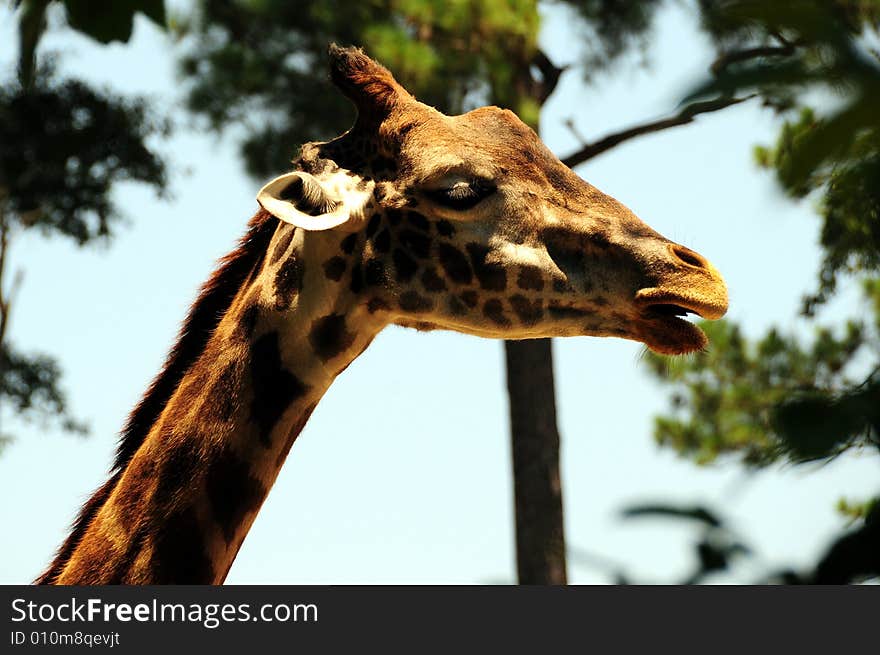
465	223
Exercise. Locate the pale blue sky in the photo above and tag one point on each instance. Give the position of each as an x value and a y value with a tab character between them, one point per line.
403	473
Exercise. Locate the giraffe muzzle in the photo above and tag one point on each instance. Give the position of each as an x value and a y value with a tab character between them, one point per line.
691	286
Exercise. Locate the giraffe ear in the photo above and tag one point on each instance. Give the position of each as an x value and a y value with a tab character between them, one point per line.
311	203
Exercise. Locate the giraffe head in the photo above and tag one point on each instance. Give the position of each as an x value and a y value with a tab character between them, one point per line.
470	223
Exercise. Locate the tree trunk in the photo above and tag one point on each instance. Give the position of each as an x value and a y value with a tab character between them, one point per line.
540	538
537	492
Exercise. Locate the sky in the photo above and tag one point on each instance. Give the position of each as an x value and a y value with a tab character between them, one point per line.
403	474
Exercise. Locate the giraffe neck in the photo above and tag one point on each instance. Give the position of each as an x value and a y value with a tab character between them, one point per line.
181	507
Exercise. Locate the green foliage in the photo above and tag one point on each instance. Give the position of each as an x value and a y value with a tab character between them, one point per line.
612	29
819	50
717	547
854	556
63	146
816	424
841	160
103	20
29	385
262	65
766	400
851	557
111	20
857	511
740	23
775	398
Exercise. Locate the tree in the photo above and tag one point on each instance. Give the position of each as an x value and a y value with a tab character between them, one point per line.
778	398
63	146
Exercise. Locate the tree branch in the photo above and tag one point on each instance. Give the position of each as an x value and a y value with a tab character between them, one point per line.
31	25
728	58
685	116
6	295
550	74
4	245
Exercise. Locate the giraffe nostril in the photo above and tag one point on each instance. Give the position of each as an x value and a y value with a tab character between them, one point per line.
688	256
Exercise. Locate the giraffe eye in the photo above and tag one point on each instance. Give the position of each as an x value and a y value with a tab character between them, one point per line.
462	195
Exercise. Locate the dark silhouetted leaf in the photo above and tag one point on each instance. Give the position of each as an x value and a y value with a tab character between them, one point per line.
699	514
111	20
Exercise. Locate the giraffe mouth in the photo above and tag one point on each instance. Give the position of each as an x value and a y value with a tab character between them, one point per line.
663	326
664	331
710	304
670	309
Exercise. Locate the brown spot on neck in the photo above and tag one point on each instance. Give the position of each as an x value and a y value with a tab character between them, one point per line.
232	491
329	336
274	387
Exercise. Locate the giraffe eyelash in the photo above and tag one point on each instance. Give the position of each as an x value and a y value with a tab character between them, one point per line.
462	195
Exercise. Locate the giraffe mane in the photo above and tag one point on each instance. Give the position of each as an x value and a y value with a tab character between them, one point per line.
214	299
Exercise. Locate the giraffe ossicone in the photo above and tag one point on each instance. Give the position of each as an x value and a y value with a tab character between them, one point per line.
412	217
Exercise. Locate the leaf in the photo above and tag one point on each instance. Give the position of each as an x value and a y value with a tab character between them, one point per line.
814	425
755	76
696	513
30	386
80	143
852	557
831	138
111	20
712	556
31	24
